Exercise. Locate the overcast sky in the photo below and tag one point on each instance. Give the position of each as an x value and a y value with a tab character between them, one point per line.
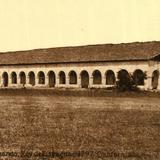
28	24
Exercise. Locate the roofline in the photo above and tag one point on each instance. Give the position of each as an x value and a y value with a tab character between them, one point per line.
75	46
155	55
20	64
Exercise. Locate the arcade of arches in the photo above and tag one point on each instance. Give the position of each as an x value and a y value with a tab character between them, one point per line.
83	79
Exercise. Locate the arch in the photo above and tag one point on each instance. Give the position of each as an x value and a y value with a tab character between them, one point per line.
51	78
41	77
155	77
62	77
84	79
14	78
22	76
72	77
5	79
110	77
138	77
124	81
97	77
31	78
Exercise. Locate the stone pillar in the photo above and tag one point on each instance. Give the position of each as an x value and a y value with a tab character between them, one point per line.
57	81
1	82
18	80
47	81
116	78
67	81
103	80
90	82
79	81
9	80
148	81
158	88
36	81
27	80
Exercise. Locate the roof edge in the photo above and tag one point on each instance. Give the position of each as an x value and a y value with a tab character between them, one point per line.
81	46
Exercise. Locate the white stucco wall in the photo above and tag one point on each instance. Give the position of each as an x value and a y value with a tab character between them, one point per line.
130	66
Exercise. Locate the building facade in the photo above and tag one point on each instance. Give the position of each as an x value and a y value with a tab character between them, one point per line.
94	66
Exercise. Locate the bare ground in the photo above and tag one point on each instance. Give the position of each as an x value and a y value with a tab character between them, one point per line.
85	126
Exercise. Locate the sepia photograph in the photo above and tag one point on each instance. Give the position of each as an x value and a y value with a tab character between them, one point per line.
79	79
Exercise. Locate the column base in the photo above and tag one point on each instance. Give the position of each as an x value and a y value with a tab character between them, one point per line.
28	85
40	86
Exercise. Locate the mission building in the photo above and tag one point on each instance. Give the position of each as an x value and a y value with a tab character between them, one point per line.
92	66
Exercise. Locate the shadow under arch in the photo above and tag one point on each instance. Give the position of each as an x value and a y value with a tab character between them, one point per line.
72	77
31	75
110	77
138	77
51	79
41	77
13	78
62	77
22	77
5	79
155	78
124	81
84	79
97	77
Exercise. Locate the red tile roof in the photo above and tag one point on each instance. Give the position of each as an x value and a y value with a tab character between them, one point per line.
90	53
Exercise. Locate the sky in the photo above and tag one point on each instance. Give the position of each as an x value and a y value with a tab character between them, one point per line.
30	24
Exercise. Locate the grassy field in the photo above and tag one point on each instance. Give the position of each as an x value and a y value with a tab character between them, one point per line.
41	124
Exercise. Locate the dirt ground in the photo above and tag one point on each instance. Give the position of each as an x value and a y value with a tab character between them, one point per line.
42	125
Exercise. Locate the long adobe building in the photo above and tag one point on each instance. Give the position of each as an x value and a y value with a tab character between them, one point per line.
92	66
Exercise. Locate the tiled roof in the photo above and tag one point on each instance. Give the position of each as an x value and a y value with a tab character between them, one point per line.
90	53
